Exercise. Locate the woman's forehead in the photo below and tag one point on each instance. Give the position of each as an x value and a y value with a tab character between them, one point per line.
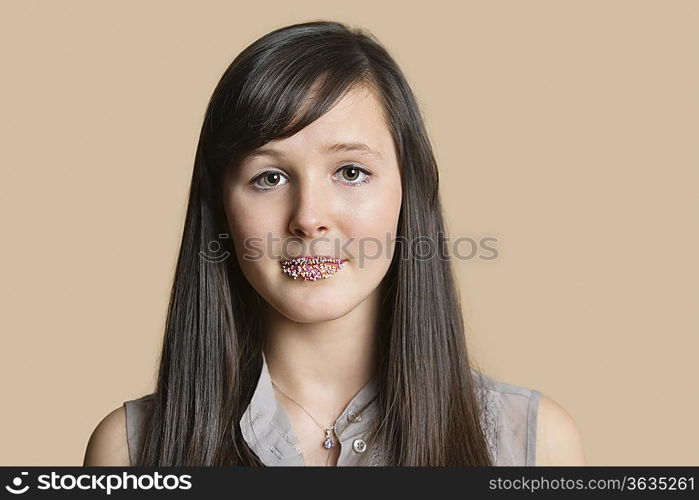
354	124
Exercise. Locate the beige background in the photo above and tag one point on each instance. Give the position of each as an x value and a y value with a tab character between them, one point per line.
567	130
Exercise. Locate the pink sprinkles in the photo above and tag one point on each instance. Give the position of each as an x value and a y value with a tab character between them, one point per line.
311	268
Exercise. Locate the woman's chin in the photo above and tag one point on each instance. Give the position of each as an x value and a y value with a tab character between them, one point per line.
310	309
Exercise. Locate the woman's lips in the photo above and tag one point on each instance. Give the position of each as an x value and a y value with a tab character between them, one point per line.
312	267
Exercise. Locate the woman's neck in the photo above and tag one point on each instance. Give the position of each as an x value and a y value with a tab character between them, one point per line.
323	365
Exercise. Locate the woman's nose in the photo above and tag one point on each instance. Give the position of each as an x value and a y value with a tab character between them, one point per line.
309	217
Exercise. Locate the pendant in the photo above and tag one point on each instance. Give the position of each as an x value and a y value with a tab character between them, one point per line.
328	443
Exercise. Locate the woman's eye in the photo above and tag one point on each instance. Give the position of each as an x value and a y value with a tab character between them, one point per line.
269	180
355	175
352	175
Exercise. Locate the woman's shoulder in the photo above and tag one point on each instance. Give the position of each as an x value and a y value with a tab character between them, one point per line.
116	438
559	440
107	444
527	426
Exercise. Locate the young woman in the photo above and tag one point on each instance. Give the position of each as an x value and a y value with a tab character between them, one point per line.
318	333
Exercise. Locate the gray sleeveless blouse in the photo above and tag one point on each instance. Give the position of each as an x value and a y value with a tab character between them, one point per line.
509	422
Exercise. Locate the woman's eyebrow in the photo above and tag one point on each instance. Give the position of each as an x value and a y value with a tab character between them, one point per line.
328	148
351	146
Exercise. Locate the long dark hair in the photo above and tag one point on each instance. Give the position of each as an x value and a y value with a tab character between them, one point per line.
211	355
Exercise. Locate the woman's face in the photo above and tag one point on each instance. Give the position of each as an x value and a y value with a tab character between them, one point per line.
308	195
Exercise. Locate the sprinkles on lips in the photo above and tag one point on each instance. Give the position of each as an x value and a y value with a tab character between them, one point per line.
312	268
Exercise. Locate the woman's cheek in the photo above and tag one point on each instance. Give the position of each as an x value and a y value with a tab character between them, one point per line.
251	220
